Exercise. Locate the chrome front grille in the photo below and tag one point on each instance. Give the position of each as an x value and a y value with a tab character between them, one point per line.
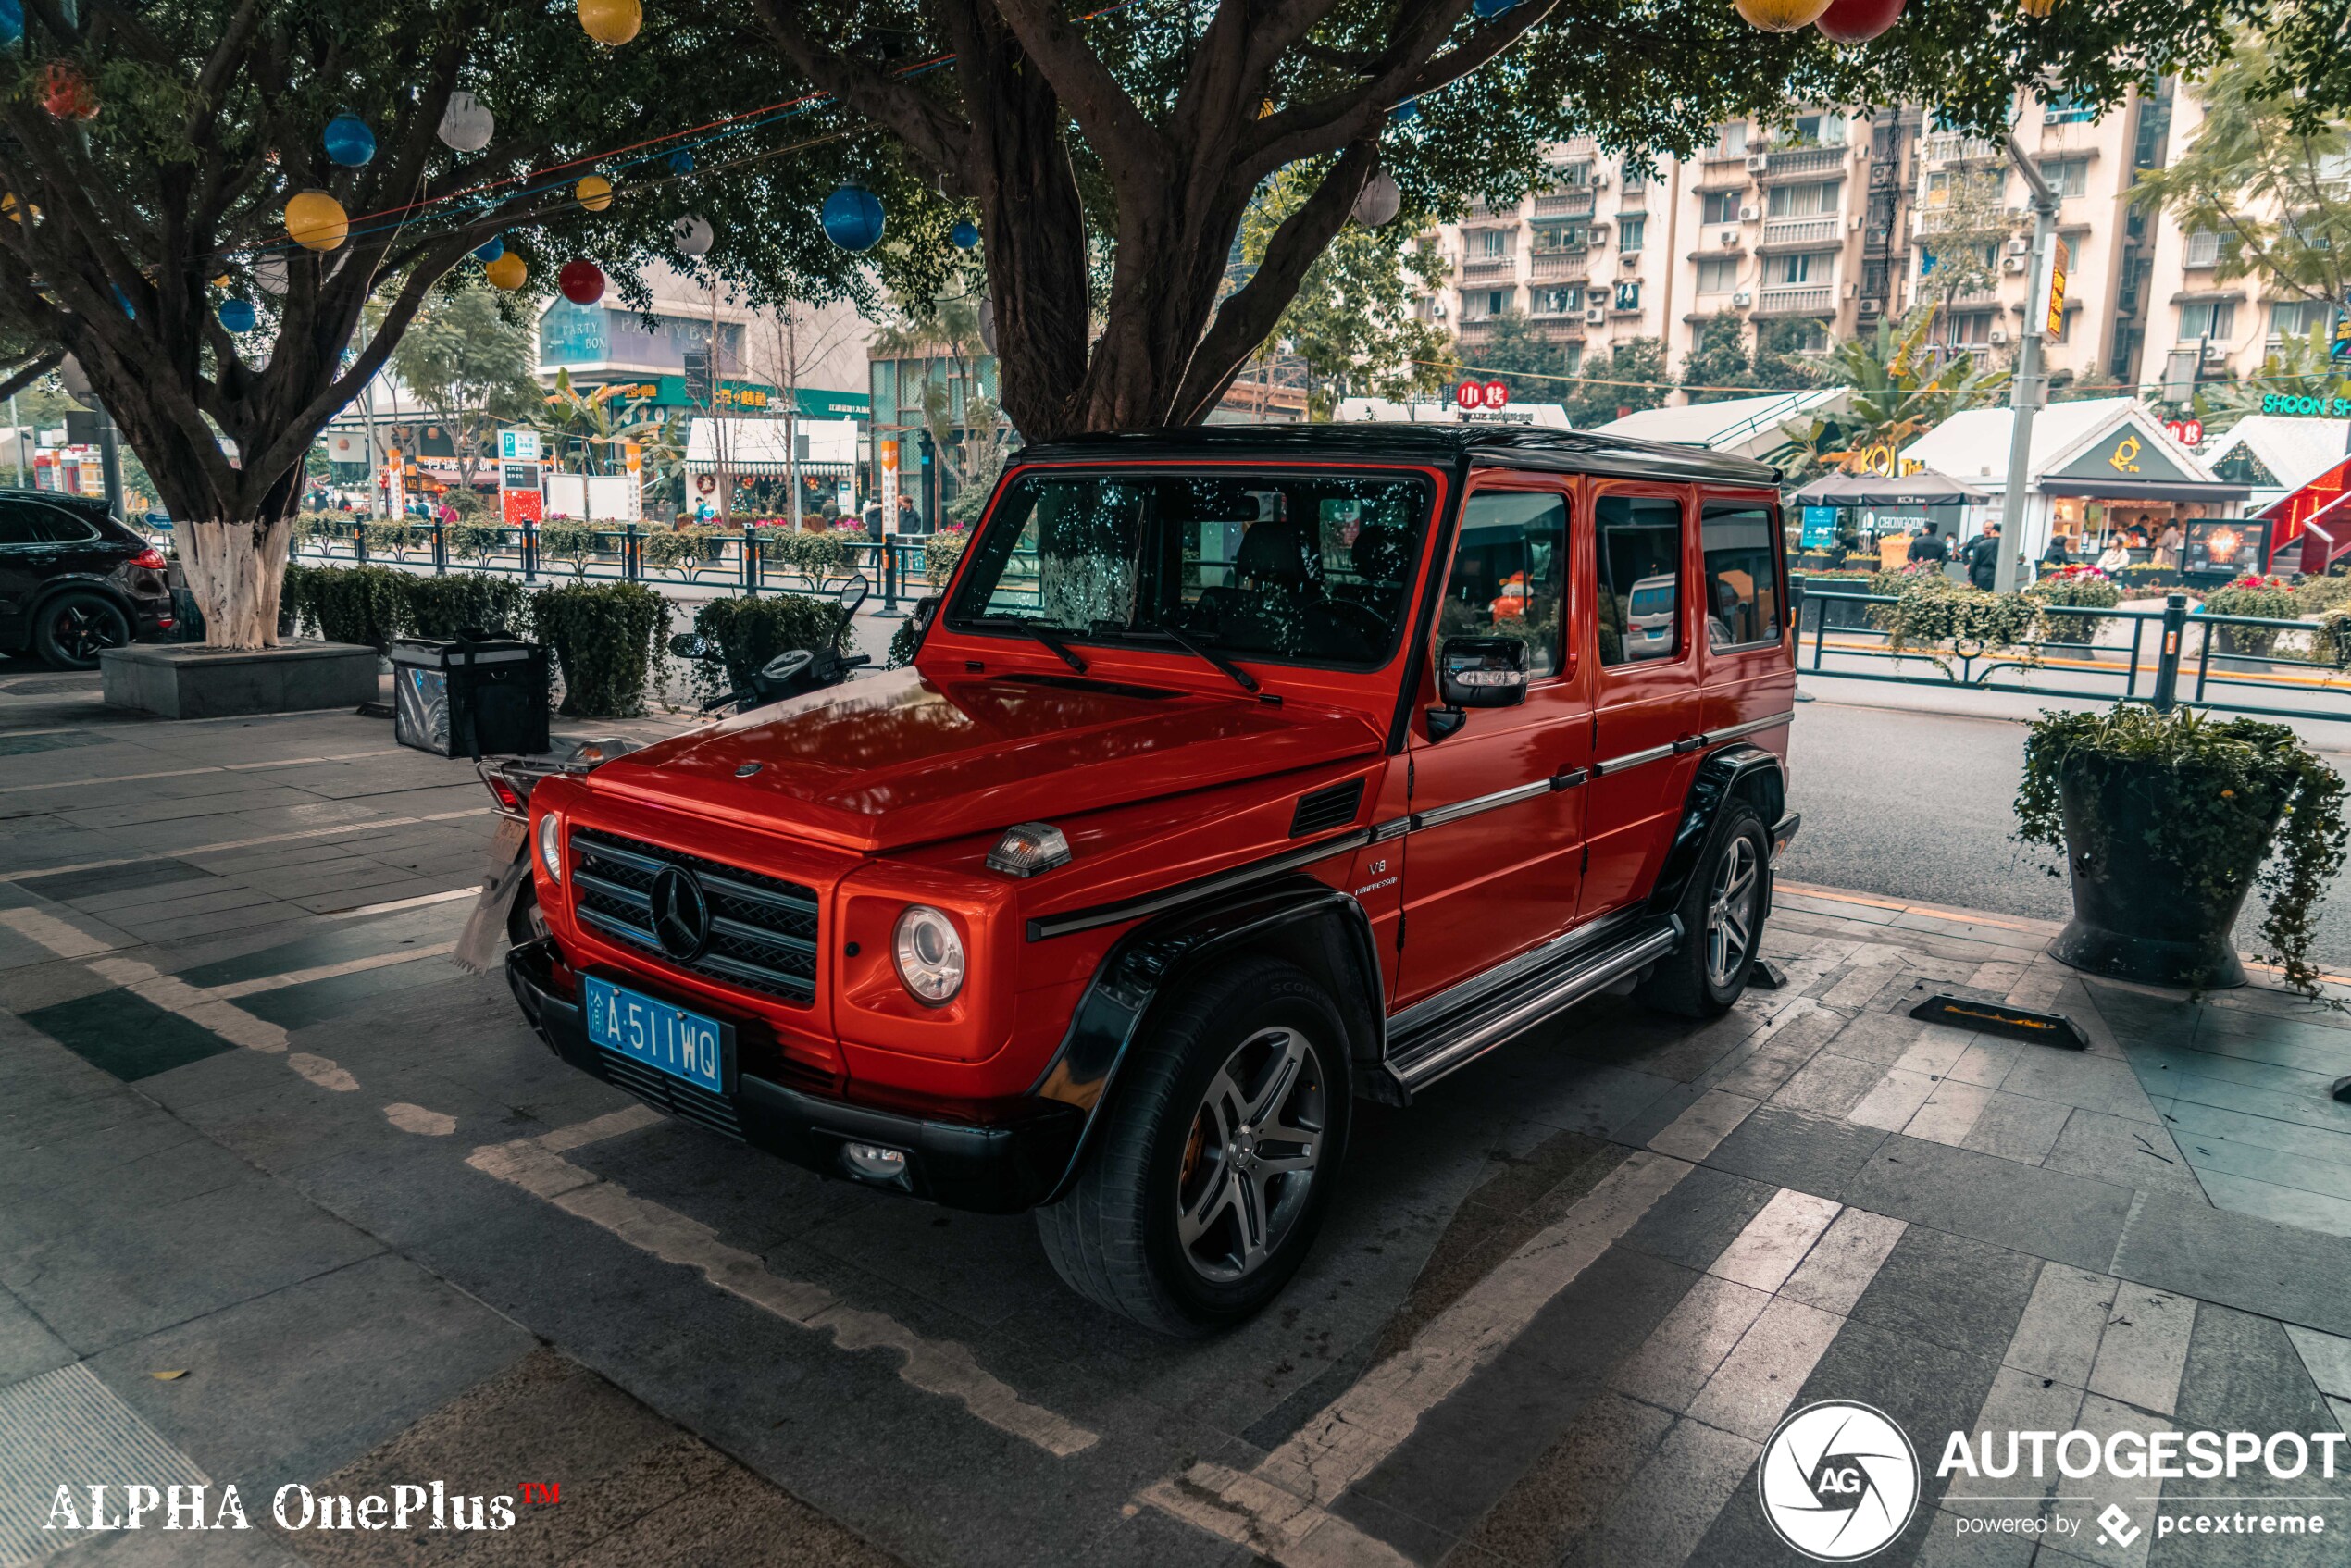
762	933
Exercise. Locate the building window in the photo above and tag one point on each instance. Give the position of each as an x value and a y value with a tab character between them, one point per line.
2068	177
1633	180
1718	274
1806	337
1808	200
1972	329
1557	302
1718	206
2066	111
1818	130
1731	140
2299	319
2207	318
1784	270
1555	237
1628	295
1574	358
2203	249
1571	176
1494	242
1630	233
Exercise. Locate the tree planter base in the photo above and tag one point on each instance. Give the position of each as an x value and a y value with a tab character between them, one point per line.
2208	963
185	680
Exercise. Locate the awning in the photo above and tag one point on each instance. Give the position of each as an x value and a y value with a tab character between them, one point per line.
2144	490
1873	489
809	470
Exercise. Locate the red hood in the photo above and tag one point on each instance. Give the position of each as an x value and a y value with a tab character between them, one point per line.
894	760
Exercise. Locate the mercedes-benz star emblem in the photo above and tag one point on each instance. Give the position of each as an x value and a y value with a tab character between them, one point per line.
681	914
747	769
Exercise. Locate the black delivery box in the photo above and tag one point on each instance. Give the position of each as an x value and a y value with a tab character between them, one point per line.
474	695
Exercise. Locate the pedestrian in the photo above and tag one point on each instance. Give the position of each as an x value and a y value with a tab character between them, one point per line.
2057	555
1982	557
909	520
873	518
2166	548
1930	547
2115	557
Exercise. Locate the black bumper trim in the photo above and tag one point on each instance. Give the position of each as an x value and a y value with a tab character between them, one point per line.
1003	1162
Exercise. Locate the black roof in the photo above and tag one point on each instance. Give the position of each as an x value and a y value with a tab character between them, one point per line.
1506	446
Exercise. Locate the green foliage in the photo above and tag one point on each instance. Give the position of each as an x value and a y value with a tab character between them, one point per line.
1935	612
2301	366
1899	392
816	555
468	356
942	551
748	632
475	541
1632	378
1534	367
907	638
394	536
440	607
2263	598
319	529
2231	801
1963	225
2086	587
365	605
2314	594
564	539
607	639
1719	361
685	551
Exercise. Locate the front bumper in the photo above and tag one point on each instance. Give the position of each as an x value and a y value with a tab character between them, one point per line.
996	1158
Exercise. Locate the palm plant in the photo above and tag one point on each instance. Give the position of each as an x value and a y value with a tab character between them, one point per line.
1899	387
2298	367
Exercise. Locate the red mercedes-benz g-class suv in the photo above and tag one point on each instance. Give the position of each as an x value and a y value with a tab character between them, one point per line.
1239	772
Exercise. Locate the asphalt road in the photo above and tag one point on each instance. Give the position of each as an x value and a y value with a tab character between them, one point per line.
1919	806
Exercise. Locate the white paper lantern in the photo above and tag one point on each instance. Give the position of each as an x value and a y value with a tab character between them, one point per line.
269	274
691	234
1378	202
988	324
77	381
467	124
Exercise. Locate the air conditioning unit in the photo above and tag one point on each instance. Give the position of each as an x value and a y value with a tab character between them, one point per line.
2216	351
1600	235
2019	245
1599	180
1757	163
1596	316
1628	258
1748	214
1857	221
1436	310
2012	263
2048	116
1870	307
1730	239
1996	336
1851	289
1742	299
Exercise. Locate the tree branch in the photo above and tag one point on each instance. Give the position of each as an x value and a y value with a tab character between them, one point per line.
31	372
928	129
1132	148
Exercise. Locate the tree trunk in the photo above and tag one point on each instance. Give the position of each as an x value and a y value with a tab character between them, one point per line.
237	571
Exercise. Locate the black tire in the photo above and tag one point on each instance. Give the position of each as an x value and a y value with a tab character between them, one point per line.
71	629
1701	979
1116	1238
526	921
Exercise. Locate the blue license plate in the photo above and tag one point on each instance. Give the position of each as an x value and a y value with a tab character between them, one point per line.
685	1045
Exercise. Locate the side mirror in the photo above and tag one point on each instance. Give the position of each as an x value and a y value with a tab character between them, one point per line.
852	595
690	645
1481	672
924	608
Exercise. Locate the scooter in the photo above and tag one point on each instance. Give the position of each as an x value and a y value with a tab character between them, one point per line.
509	903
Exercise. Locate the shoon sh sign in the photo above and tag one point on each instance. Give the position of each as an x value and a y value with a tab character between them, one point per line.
519	498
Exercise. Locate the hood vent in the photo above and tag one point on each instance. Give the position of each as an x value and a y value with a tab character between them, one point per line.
1333	807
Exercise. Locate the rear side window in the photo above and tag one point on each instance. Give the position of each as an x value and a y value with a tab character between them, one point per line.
1742	574
1510	573
29	522
1641	577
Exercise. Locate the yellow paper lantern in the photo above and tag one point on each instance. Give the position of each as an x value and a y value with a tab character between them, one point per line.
507	272
2037	7
612	22
1780	16
314	220
594	192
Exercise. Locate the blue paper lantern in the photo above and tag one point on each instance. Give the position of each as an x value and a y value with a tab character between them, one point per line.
965	234
490	250
680	162
124	299
348	140
1406	112
236	315
1488	9
11	23
853	218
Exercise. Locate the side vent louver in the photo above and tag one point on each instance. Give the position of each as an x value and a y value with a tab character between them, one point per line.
1333	807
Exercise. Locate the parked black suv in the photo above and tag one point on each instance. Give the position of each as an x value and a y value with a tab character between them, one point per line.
74	581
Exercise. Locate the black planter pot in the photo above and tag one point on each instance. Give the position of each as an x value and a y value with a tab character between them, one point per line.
2133	916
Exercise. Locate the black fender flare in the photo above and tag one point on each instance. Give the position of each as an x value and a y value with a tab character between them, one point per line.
1743	771
105	588
1299	918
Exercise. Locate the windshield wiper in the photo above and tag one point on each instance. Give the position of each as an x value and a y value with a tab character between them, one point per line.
1241	677
1042	632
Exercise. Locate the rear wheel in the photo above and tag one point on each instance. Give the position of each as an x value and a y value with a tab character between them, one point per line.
1721	911
72	630
1206	1186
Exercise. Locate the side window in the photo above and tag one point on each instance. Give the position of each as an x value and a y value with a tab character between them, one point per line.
56	525
21	523
1509	572
1640	575
1742	575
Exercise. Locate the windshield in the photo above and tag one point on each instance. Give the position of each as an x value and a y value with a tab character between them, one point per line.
1272	565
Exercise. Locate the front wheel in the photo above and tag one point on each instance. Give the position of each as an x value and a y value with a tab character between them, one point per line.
1206	1186
1721	913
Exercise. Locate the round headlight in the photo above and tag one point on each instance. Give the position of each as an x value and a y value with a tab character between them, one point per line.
929	954
550	846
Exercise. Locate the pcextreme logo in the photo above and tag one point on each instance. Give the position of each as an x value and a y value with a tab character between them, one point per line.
1838	1480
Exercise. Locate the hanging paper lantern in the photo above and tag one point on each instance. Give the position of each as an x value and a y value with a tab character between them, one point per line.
314	220
594	192
691	234
507	272
1857	21
237	315
1405	113
853	218
612	22
1488	9
11	23
269	274
349	141
582	282
1378	202
67	93
466	125
2037	7
124	299
1780	16
681	161
987	323
15	215
964	235
490	250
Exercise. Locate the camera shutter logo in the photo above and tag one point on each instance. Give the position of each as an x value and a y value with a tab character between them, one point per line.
1838	1481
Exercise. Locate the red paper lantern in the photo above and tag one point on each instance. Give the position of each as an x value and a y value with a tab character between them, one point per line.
1857	21
582	282
67	93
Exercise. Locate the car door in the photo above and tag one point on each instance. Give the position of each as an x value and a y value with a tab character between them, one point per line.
1646	713
28	559
1746	675
1498	811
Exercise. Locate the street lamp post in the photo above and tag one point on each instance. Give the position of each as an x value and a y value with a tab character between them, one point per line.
2029	386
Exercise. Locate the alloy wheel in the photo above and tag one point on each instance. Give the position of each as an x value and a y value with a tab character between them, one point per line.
1730	913
1250	1154
83	629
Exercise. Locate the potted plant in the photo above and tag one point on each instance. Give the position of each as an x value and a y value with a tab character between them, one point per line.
2261	598
2166	822
2081	586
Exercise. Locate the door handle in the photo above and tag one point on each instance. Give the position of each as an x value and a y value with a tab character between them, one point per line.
1688	744
1568	778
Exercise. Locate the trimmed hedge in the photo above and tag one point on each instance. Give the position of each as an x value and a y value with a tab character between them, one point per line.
374	604
607	638
440	607
748	632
